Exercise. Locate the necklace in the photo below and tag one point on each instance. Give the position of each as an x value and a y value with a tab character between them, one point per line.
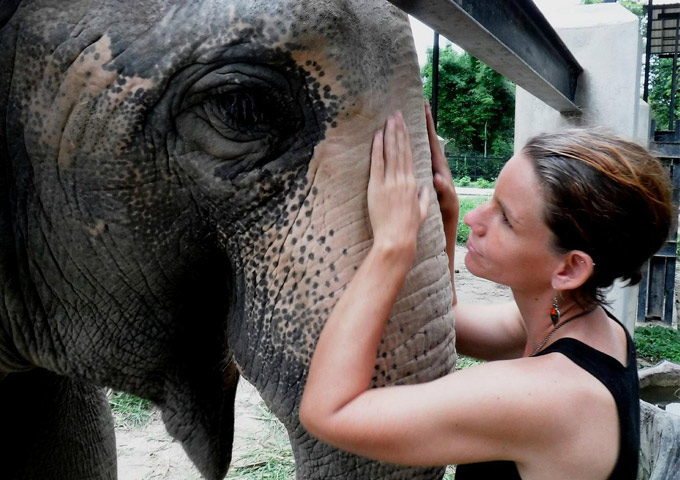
556	328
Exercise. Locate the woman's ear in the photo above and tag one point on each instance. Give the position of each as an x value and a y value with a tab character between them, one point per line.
573	271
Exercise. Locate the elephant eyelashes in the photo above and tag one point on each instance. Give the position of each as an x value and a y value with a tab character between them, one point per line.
252	112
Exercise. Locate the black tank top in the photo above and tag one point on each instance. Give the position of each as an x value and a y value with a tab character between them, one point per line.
621	381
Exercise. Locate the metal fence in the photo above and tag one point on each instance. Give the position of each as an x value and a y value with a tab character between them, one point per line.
475	166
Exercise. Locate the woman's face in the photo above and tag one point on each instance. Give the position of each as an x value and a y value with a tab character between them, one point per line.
509	242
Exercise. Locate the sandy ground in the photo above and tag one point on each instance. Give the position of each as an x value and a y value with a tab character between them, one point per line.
148	452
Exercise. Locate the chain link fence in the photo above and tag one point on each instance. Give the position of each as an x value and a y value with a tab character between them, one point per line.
475	166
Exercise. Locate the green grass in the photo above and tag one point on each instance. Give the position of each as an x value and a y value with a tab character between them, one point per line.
464	362
268	459
656	343
466	204
128	410
450	472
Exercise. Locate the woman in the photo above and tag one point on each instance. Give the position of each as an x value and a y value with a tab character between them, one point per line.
570	213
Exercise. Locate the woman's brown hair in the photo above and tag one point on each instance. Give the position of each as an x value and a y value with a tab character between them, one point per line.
605	196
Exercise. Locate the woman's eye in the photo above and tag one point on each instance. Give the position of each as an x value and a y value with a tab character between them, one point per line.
505	219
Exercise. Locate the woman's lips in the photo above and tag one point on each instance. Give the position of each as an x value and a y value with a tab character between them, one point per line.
471	247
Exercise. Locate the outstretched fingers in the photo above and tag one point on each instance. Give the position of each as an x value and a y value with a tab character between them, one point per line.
392	147
399	154
377	159
423	203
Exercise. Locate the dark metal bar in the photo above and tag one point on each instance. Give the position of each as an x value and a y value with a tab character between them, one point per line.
657	282
435	78
657	287
642	293
669	291
648	50
512	37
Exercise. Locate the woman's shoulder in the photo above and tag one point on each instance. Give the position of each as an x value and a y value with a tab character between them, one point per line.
550	402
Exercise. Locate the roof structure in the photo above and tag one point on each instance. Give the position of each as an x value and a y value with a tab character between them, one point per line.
663	34
512	37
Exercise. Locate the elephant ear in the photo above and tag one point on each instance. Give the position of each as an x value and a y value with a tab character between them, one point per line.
11	360
7	9
199	413
195	384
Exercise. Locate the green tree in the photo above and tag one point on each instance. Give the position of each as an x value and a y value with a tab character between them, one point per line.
660	82
476	105
633	5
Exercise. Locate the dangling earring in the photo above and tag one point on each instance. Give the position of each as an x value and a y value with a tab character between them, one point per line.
555	311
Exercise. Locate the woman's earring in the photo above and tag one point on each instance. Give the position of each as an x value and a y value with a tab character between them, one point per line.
555	311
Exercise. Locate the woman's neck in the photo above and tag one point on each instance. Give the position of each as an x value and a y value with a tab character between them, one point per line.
535	310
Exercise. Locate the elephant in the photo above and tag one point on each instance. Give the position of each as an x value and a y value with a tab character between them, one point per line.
183	202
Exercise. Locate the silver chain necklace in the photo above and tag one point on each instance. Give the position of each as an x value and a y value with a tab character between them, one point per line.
557	327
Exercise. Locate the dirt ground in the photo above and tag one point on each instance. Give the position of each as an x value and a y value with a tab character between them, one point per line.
148	452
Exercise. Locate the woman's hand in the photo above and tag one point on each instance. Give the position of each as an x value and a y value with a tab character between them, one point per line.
396	208
446	191
443	182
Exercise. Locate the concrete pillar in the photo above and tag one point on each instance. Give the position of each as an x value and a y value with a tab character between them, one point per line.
606	41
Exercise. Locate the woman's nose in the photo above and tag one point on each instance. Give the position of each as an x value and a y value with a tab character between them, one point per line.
475	219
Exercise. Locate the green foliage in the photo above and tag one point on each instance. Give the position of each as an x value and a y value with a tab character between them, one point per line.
128	410
660	80
466	181
632	5
657	343
476	104
466	204
484	183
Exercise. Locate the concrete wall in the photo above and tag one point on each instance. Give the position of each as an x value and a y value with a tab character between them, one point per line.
605	39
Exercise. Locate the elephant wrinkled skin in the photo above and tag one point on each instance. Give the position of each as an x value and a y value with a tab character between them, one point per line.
183	201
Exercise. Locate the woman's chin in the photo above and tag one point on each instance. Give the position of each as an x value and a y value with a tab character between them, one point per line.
474	268
470	263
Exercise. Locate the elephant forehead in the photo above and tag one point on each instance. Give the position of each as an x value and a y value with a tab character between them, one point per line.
88	58
347	31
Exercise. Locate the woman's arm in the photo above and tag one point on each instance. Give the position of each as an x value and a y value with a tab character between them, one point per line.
489	332
337	375
495	411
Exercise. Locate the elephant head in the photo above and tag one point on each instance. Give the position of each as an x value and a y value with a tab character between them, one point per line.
184	202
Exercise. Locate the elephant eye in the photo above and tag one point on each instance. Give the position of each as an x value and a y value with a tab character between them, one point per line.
244	114
241	110
252	112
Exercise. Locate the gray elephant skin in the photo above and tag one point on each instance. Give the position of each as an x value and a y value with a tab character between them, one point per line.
183	202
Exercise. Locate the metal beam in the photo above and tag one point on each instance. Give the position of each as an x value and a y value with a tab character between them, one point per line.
512	37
